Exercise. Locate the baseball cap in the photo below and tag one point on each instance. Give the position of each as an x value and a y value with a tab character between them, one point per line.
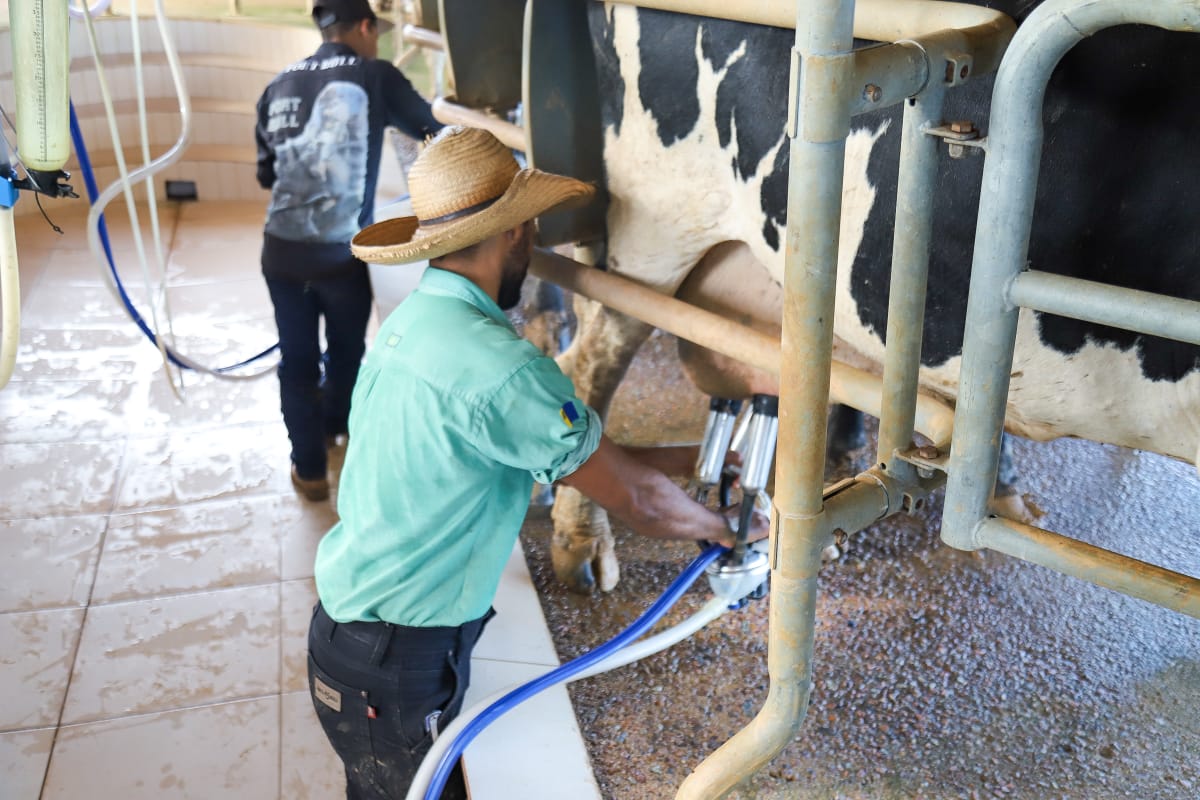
329	12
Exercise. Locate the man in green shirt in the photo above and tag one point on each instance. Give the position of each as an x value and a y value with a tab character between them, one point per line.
453	418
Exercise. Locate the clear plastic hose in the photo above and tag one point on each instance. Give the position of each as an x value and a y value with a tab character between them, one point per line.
97	235
10	295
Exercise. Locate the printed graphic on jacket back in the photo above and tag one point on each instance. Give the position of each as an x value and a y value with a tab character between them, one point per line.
320	173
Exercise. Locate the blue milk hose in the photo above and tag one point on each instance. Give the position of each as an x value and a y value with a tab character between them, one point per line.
89	180
566	671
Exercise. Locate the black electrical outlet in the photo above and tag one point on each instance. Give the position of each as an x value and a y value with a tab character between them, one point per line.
181	190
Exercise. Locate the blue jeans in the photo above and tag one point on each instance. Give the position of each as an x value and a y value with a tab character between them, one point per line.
315	387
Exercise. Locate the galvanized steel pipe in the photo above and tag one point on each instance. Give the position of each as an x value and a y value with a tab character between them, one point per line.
1105	304
874	20
819	124
449	113
422	37
1081	560
847	385
1002	236
910	273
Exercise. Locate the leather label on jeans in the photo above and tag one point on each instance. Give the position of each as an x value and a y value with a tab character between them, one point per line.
328	696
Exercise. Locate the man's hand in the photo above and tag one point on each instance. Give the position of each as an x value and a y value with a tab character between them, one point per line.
760	525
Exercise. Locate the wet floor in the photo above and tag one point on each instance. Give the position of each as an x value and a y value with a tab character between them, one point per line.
156	563
937	673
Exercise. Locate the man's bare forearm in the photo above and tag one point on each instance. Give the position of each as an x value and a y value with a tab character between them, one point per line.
678	461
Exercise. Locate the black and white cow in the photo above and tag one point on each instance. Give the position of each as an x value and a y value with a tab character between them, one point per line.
697	168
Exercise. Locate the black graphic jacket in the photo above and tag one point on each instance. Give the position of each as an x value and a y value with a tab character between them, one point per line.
320	134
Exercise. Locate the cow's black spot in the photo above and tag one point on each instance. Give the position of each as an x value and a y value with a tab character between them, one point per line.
1117	192
1115	201
770	234
955	205
752	97
751	107
1116	195
717	45
667	81
774	197
608	67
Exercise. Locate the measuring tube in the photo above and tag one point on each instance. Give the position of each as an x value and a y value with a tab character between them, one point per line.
41	54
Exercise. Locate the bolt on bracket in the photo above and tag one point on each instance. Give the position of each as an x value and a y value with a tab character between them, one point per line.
962	137
928	460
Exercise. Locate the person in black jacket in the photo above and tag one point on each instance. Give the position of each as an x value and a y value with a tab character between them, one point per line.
320	133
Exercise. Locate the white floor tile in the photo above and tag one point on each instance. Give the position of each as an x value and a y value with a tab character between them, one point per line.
73	354
228	751
303	524
35	663
176	652
185	468
47	563
23	759
206	401
70	306
518	632
309	770
209	545
65	411
53	480
535	751
296	601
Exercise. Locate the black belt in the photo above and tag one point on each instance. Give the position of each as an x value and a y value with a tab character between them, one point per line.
371	641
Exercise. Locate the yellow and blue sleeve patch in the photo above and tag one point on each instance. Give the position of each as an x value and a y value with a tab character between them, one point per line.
568	413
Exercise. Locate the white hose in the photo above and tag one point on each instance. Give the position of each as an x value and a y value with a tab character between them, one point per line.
96	10
151	199
167	159
710	611
123	184
10	295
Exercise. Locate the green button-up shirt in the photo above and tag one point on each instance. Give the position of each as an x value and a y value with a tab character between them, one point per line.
453	418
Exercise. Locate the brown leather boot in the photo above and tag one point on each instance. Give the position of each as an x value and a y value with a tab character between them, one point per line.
314	490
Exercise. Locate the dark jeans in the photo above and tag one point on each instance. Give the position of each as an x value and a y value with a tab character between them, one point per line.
382	692
315	388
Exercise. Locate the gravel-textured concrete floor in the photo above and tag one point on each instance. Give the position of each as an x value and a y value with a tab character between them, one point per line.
937	673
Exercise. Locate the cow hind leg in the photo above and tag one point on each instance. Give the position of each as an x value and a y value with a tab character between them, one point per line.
846	431
1007	500
582	545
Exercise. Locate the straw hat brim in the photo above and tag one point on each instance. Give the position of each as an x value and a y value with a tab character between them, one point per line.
404	240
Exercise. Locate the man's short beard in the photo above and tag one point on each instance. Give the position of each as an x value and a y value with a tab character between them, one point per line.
512	276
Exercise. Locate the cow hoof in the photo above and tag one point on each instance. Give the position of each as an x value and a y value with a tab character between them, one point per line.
585	563
1016	506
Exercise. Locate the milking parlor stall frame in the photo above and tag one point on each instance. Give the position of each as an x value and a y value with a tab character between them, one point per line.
536	53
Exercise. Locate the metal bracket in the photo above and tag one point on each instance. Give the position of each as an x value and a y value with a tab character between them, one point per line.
962	136
8	193
927	460
52	184
959	67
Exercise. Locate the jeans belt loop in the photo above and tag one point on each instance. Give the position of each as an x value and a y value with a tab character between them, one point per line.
333	624
382	643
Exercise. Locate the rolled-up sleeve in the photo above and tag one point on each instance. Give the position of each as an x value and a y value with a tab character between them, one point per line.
535	422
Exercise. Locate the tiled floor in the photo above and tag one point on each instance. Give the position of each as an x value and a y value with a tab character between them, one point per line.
155	563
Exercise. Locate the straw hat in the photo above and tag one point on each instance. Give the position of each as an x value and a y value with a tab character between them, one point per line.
465	186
